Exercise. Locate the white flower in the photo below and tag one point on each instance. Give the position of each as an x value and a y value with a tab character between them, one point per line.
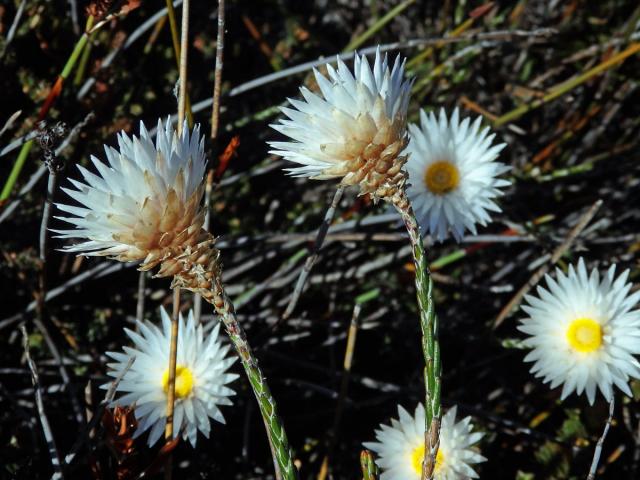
400	447
584	332
145	202
201	378
356	129
452	174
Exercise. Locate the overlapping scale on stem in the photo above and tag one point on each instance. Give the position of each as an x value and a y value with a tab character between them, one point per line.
429	327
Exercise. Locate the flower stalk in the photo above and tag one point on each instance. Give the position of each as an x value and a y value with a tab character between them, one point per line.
429	327
173	351
173	357
275	429
198	269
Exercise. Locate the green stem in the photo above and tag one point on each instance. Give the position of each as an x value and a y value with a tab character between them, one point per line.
15	171
429	327
368	466
278	441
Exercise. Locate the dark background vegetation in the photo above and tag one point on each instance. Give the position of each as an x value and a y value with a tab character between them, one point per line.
565	155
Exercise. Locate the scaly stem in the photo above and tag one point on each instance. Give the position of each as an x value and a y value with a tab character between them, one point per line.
429	327
368	466
283	462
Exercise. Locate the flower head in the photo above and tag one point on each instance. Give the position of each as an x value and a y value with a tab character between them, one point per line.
400	447
583	332
355	129
201	378
452	174
145	203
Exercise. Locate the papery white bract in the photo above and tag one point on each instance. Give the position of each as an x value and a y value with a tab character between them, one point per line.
354	130
144	202
452	174
201	378
584	332
400	447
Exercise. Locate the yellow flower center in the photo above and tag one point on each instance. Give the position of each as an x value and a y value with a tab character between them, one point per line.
584	335
417	456
441	177
184	381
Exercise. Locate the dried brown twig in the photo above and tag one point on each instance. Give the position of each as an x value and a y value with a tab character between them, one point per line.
344	385
315	252
44	421
217	83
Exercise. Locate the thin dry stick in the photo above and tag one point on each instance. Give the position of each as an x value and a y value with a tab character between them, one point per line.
184	41
344	385
13	28
315	252
171	390
217	82
598	450
173	352
555	256
10	121
54	165
173	356
142	284
44	421
52	183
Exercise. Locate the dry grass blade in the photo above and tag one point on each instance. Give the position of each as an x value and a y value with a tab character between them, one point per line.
555	256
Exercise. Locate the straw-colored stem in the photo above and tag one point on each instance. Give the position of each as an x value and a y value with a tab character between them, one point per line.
184	41
217	82
175	39
173	352
283	462
173	357
429	327
171	383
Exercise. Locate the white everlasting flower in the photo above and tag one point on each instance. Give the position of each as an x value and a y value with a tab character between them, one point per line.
583	332
201	378
354	129
400	447
453	174
144	202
